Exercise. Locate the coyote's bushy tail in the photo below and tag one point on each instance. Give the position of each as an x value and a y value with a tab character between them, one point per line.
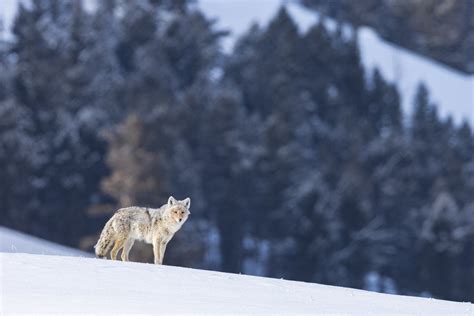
105	241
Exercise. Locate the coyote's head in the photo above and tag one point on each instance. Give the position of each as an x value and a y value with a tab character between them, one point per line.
179	210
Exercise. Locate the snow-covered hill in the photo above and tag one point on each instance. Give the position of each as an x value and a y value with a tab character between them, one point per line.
14	241
451	90
50	284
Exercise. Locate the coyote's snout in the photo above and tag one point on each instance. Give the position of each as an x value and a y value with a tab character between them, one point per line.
154	226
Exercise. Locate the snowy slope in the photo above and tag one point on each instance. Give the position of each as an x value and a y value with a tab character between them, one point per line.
450	89
49	284
14	241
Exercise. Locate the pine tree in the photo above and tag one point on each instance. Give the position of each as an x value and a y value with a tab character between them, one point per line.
434	178
101	68
383	109
135	170
318	69
224	176
49	40
190	46
18	157
274	55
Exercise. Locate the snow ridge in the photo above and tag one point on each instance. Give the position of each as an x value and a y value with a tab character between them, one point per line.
15	241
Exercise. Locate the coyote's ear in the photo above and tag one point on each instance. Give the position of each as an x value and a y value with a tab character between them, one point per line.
171	201
187	202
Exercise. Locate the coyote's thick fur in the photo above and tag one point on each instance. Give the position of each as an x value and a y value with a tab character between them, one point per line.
154	226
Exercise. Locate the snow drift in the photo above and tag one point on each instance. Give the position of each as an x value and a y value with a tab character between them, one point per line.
52	284
15	241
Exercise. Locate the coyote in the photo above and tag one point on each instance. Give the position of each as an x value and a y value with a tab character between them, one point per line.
154	226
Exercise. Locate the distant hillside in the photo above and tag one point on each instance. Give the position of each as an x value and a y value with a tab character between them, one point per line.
439	29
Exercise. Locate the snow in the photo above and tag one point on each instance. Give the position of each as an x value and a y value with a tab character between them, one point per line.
14	241
52	284
7	10
451	90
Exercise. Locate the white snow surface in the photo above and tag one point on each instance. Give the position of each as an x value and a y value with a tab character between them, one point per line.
450	89
14	241
39	284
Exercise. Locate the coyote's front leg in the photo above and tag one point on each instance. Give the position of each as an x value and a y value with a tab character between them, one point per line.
157	250
162	251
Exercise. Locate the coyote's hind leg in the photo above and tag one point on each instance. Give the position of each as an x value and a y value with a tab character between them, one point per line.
119	243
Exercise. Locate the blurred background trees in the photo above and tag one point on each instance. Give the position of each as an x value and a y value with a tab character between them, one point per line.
299	163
